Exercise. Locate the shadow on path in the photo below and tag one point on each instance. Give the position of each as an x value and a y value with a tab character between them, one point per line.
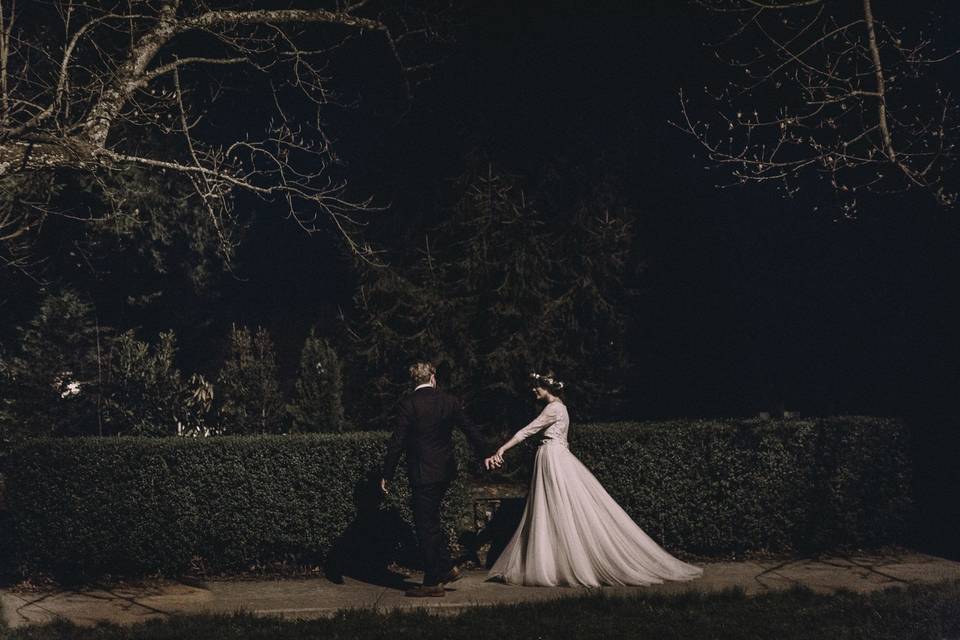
793	570
497	532
377	538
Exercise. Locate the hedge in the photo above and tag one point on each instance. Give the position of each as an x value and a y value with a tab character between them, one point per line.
719	487
86	507
90	506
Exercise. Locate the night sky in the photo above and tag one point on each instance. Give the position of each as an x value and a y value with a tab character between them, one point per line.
747	299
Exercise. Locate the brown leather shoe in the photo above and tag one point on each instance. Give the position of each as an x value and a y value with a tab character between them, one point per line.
423	591
451	576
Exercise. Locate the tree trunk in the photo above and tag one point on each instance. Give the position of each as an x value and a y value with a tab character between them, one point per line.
129	76
881	88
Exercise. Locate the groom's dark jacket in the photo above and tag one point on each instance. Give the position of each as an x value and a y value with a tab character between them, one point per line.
424	431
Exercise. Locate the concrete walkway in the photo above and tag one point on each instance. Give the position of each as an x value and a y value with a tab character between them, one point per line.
316	597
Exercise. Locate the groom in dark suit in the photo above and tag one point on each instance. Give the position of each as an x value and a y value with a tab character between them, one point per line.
424	431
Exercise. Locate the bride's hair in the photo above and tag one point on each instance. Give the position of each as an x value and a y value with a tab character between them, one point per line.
549	382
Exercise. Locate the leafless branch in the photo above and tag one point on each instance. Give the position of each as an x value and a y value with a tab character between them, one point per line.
843	98
78	97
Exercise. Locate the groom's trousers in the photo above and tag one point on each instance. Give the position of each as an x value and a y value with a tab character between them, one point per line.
434	548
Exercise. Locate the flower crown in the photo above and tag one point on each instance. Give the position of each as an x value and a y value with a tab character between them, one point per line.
548	380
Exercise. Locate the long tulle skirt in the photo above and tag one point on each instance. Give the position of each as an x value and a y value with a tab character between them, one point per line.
574	534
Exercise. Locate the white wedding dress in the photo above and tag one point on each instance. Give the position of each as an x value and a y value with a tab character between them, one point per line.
572	532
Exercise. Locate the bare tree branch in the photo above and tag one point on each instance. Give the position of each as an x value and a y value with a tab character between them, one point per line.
176	64
265	16
125	68
851	103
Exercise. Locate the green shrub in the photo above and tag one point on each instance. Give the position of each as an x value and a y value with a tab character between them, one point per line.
143	391
71	375
82	507
729	486
131	506
318	392
249	385
51	381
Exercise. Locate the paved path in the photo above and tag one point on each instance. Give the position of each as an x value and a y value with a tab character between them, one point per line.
316	597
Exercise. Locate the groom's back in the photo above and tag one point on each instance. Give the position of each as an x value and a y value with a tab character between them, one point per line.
432	415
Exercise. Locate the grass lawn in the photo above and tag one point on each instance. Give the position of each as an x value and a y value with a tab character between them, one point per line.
931	611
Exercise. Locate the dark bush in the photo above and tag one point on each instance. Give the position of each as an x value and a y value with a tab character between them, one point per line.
91	506
729	486
83	507
131	506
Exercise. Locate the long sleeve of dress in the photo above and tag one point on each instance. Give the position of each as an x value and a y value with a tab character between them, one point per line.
546	418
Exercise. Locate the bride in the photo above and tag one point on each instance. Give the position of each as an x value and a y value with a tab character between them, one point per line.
572	532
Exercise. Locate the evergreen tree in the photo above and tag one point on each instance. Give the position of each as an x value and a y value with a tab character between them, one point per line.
143	390
499	288
73	376
55	381
250	387
318	402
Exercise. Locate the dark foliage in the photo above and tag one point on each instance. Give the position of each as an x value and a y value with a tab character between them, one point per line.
72	375
731	486
249	385
507	283
318	392
57	364
143	390
86	507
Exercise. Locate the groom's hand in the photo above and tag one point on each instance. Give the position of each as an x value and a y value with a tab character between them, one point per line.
383	487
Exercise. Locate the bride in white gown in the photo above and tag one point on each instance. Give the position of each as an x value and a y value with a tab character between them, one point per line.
572	532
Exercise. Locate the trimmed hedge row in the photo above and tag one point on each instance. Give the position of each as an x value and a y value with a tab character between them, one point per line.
90	506
730	486
130	506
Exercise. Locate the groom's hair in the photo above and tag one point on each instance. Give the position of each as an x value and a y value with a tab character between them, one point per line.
421	372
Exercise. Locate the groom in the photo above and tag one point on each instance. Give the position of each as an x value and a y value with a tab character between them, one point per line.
424	431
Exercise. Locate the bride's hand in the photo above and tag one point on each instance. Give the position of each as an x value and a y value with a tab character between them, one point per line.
493	462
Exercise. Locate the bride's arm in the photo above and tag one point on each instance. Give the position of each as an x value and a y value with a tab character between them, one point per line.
546	418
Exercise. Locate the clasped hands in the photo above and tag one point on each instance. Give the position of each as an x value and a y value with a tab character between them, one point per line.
494	462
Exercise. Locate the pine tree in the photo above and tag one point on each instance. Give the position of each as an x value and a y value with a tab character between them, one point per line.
318	401
499	288
55	380
73	376
249	385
